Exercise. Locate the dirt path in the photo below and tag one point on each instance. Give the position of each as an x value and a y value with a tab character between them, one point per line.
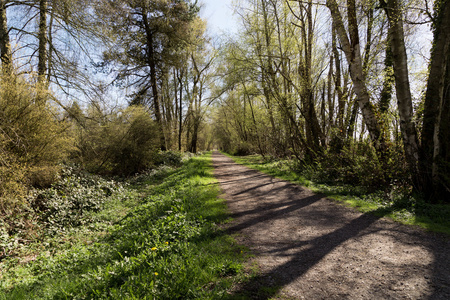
308	247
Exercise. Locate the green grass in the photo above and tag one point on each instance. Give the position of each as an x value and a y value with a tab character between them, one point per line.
402	208
158	239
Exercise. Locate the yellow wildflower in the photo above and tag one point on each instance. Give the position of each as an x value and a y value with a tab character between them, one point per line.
154	248
156	273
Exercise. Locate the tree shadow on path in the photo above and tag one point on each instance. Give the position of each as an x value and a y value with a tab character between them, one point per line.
321	250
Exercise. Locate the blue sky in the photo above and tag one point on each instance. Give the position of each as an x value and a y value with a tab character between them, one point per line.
219	15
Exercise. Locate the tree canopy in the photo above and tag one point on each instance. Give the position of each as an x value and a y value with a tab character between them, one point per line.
329	83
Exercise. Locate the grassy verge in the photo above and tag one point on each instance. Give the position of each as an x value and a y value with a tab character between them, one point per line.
395	205
157	239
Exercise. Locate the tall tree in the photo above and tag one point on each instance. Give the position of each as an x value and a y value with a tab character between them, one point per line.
314	134
351	47
435	151
200	66
402	86
147	35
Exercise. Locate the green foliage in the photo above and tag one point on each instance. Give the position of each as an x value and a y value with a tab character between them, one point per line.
243	148
29	129
33	141
169	158
70	200
122	143
357	164
167	247
13	189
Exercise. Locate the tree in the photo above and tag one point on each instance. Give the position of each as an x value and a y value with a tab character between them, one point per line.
146	37
314	134
195	110
402	86
54	39
435	149
351	47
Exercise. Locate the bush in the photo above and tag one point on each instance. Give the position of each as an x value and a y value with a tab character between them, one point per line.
43	176
32	142
169	158
243	149
122	143
13	188
29	129
357	164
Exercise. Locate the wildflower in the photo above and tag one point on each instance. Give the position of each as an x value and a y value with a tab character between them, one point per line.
156	273
167	243
154	248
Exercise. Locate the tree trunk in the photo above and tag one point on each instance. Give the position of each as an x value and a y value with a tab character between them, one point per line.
178	77
353	55
43	42
330	96
314	132
435	151
153	77
5	45
402	87
337	80
388	81
194	139
367	48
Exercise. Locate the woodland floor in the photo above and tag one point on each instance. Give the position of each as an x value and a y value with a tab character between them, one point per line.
308	247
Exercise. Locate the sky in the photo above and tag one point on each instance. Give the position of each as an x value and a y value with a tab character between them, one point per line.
219	15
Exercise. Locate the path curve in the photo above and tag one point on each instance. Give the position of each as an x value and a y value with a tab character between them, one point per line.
308	247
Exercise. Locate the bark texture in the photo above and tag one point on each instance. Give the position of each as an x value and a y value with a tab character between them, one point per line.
42	35
402	86
435	152
5	46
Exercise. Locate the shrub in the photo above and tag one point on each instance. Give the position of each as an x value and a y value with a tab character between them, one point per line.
122	143
357	164
169	158
13	189
32	142
42	176
29	129
243	149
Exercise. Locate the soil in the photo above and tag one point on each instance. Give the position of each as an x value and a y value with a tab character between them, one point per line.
306	246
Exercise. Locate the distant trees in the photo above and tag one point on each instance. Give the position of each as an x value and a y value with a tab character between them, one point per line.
291	84
314	104
55	44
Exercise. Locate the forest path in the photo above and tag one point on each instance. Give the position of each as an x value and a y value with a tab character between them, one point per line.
309	247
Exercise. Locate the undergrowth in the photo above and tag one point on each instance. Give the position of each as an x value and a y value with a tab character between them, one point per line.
154	238
394	201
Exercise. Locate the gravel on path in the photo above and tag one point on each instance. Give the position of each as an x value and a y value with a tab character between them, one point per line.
309	247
